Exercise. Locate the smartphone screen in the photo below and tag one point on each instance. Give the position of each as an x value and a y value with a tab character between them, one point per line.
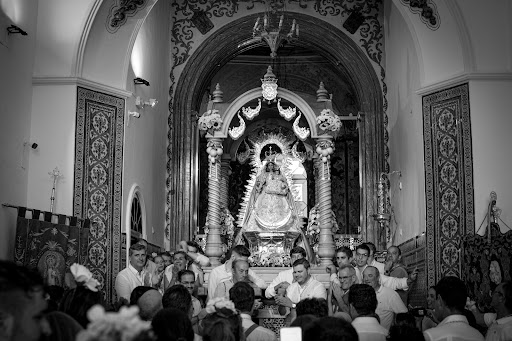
291	334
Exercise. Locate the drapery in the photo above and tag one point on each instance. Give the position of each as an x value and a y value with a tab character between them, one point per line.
50	247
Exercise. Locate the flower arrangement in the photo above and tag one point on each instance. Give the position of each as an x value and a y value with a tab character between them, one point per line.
210	121
218	303
227	229
124	325
84	277
329	121
313	228
269	259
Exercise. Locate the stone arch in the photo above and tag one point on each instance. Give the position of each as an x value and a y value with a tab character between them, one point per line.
344	55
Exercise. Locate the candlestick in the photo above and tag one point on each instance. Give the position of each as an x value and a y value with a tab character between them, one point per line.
55	174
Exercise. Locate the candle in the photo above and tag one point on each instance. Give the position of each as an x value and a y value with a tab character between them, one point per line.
293	25
281	21
297	30
265	21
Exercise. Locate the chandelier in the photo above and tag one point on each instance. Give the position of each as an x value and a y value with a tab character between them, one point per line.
271	30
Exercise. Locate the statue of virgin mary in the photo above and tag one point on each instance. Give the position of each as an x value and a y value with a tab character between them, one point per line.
271	220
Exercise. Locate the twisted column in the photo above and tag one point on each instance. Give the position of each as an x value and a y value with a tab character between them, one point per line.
213	241
225	171
326	246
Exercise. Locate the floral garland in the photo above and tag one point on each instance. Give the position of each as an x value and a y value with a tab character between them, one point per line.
227	228
124	325
329	121
313	228
210	121
269	259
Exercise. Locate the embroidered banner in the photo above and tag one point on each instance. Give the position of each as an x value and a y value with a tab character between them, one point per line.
448	179
98	180
50	247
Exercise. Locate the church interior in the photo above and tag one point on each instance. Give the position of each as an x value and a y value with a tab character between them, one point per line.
266	123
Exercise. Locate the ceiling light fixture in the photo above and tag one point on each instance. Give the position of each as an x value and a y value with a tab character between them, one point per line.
13	29
271	29
139	80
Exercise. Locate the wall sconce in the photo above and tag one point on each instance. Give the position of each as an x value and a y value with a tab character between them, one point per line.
383	215
139	80
13	29
140	103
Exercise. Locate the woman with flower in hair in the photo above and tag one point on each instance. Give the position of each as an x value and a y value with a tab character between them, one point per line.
76	302
223	323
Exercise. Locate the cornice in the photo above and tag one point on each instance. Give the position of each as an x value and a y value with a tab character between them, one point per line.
79	81
463	78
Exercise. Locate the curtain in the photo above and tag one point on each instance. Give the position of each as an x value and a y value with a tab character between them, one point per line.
50	247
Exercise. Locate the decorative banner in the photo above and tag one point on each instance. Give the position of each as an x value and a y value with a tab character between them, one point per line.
98	180
448	179
51	248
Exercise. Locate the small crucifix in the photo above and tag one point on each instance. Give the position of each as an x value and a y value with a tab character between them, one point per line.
55	174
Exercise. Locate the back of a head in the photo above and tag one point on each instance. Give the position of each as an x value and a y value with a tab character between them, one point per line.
404	332
63	327
15	277
149	304
363	298
76	302
242	295
137	293
172	325
313	306
240	250
453	292
177	297
331	329
222	325
305	322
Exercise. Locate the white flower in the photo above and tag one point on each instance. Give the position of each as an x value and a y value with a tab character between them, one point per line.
84	276
210	120
219	303
124	325
328	120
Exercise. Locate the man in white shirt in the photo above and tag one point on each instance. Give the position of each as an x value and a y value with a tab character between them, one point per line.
501	328
371	258
389	303
187	279
303	287
240	271
134	275
224	272
242	296
451	297
285	278
363	303
362	255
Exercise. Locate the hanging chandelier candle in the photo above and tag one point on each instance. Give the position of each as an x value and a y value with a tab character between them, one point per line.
271	33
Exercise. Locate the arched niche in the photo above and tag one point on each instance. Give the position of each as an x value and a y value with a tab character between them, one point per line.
344	55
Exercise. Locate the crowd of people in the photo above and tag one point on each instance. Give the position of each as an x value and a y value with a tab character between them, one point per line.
159	300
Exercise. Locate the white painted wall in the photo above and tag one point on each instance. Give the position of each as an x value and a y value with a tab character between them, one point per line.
146	137
60	24
491	127
53	127
16	62
489	26
405	129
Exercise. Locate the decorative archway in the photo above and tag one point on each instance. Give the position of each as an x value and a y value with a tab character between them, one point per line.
301	104
345	56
